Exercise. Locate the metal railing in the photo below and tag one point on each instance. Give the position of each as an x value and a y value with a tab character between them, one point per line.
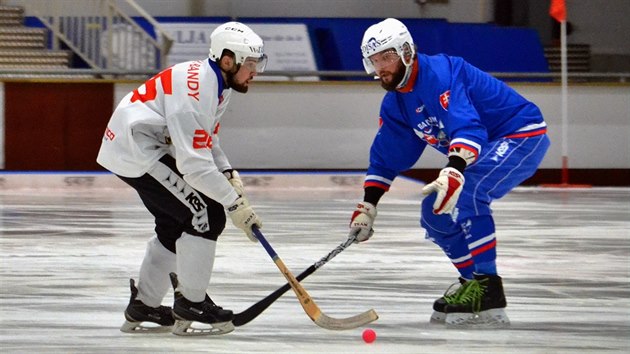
102	35
621	77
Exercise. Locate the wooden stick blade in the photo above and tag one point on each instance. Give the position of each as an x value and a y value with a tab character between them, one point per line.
256	309
340	324
308	304
314	312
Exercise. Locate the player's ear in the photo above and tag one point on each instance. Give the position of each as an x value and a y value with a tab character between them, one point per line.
407	53
227	63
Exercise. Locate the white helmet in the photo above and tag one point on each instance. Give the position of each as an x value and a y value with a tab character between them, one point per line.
241	40
387	34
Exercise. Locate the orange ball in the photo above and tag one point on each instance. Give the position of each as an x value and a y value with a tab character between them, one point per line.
369	335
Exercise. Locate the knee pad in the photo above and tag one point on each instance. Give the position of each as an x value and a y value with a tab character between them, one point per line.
210	223
437	226
479	227
214	229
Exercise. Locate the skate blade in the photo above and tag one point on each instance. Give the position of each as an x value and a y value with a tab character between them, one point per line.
490	319
142	327
185	328
437	318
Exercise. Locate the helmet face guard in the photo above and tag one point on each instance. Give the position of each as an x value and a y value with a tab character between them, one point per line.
254	64
238	38
389	34
381	60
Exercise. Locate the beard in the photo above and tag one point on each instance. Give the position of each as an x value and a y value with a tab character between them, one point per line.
397	77
241	87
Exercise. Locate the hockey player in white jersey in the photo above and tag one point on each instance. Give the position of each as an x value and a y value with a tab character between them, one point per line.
163	140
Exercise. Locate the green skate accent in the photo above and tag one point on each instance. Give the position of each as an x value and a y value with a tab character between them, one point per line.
469	293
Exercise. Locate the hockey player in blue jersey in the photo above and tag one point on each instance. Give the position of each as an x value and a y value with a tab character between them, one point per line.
494	139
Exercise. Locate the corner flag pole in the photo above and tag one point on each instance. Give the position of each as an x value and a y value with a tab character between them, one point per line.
565	105
558	10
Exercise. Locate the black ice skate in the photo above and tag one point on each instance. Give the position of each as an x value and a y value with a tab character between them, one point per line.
137	315
439	306
478	303
213	319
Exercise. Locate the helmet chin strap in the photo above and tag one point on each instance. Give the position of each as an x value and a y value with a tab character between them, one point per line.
405	79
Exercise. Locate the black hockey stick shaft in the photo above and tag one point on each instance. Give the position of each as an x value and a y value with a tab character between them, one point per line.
256	309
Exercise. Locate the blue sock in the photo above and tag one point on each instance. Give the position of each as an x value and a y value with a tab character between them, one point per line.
487	268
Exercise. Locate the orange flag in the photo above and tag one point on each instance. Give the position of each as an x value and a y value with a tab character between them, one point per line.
558	10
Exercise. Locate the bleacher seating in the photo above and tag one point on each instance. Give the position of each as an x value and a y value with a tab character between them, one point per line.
578	57
24	47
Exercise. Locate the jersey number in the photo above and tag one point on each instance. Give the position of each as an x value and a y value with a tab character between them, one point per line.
151	87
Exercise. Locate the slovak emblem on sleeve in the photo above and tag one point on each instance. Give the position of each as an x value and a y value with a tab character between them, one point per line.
444	98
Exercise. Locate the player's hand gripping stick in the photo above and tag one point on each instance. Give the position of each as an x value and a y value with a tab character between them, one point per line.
244	217
362	221
448	186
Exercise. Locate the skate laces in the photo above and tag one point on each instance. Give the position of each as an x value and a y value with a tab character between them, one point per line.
207	306
469	293
147	310
211	303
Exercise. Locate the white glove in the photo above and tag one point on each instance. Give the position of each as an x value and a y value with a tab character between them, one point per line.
361	222
235	180
448	186
244	217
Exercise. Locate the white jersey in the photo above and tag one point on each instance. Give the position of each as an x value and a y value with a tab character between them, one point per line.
176	112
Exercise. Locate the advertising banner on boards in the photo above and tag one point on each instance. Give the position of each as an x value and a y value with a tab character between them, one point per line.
288	46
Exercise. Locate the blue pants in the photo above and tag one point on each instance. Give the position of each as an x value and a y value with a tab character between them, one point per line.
467	236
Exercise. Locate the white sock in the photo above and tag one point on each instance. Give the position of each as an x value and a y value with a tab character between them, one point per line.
154	279
195	259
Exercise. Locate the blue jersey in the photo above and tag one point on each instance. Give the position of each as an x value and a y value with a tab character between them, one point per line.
446	103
